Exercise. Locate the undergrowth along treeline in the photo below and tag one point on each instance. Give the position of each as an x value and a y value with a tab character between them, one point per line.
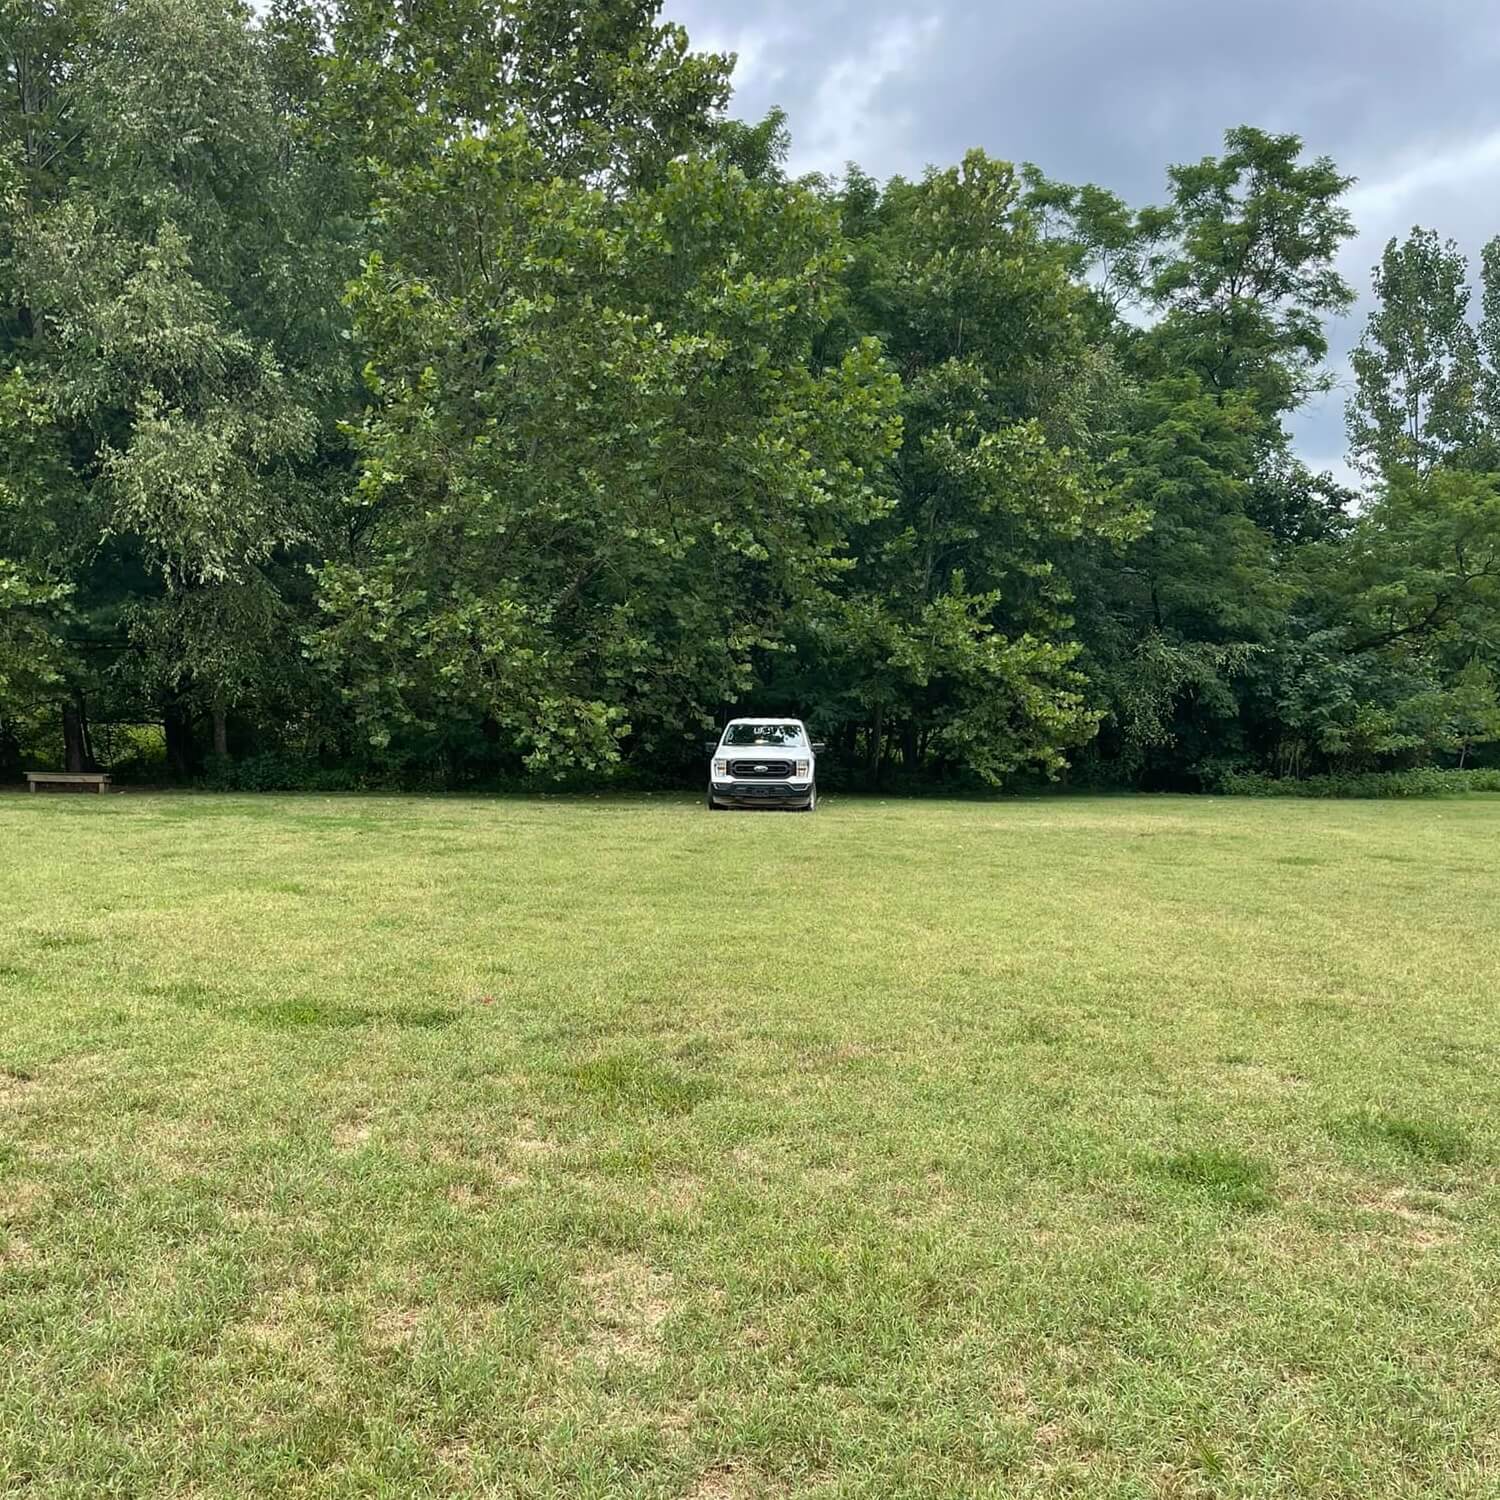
1424	781
394	394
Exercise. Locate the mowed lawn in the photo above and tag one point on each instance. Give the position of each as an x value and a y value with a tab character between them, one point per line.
1095	1147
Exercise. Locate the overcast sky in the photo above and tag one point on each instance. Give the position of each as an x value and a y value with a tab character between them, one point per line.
1402	95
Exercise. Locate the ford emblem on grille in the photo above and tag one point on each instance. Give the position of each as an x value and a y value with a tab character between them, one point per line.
763	768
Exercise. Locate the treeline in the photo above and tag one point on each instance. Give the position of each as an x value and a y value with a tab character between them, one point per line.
452	394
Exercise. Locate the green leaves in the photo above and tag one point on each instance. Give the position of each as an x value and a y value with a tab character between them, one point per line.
35	593
606	93
170	328
1417	365
1424	563
31	649
954	631
454	384
601	464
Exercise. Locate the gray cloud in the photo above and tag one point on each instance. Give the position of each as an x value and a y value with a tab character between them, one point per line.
1401	95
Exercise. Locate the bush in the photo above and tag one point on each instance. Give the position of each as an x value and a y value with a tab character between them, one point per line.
280	771
132	752
1427	782
272	772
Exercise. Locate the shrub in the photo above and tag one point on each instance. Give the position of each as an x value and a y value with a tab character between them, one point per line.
272	772
280	771
1426	782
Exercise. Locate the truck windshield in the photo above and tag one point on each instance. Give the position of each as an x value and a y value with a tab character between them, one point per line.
778	736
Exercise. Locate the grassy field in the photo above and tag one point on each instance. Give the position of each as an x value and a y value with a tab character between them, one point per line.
1096	1147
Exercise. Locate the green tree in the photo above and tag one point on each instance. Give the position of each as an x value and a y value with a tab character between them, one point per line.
171	314
607	92
34	591
1423	564
1417	364
1246	276
1226	287
1473	710
953	642
600	467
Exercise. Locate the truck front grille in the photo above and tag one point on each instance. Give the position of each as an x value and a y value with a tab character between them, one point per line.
760	770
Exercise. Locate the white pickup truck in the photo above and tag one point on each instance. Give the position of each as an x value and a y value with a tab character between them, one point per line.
763	763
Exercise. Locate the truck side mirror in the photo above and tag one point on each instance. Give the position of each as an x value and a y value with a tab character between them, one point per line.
709	746
819	746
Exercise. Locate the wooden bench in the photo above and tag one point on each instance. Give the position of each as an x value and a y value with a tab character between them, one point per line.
82	781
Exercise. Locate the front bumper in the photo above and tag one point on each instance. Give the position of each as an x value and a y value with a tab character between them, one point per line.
761	794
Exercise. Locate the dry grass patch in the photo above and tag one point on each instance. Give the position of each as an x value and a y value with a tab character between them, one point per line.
352	1133
396	1327
529	1142
458	1457
15	1083
629	1303
287	1320
675	1194
17	1253
20	1201
1425	1228
724	1482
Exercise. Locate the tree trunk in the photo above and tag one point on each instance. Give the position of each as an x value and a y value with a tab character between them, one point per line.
221	734
10	753
76	755
909	747
877	743
178	727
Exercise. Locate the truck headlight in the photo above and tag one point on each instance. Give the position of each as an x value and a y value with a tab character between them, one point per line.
804	769
721	768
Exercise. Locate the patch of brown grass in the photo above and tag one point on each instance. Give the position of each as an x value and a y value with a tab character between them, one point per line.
457	1455
351	1133
15	1085
630	1303
396	1327
19	1201
285	1318
829	1179
725	1482
529	1142
1424	1229
16	1253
